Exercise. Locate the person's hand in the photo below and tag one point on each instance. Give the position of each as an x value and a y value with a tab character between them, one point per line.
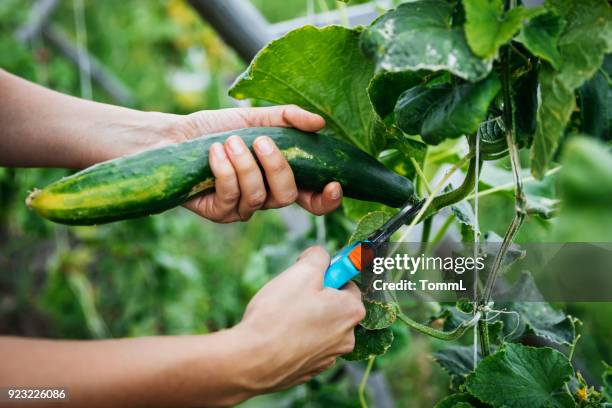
240	189
297	326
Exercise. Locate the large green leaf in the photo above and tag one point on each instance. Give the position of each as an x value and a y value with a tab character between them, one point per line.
419	36
440	112
379	315
460	400
386	87
321	70
488	27
460	112
414	104
583	44
457	361
370	343
522	377
536	316
541	34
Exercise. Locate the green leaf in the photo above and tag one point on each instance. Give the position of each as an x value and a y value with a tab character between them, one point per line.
369	224
526	103
401	150
386	87
606	379
460	400
460	111
457	361
419	36
541	35
518	376
414	104
536	315
541	195
370	343
323	71
587	37
357	209
379	315
488	27
593	97
464	214
496	332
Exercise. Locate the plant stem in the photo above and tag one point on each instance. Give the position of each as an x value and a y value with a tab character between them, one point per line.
507	186
458	194
440	234
425	235
364	381
431	199
439	334
570	355
483	335
520	203
421	175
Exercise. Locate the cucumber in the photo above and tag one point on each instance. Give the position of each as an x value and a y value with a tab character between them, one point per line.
156	180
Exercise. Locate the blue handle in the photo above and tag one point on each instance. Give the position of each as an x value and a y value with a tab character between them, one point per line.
341	269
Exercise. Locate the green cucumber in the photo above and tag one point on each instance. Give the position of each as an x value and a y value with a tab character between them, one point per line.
156	180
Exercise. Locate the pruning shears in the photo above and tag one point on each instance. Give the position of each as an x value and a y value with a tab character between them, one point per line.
354	258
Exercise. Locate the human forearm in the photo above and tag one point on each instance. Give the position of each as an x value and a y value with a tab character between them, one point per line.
43	128
147	372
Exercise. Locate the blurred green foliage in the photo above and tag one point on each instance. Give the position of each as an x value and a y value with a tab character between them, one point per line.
176	273
166	274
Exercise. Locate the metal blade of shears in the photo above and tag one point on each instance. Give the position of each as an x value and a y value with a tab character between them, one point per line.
405	215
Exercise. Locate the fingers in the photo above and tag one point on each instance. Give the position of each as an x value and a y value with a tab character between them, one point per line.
316	258
351	288
321	203
252	188
285	115
283	190
221	120
227	190
348	344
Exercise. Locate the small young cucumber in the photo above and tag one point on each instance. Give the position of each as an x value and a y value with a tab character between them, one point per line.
157	180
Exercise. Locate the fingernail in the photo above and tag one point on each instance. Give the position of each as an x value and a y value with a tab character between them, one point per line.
218	151
264	145
235	145
335	194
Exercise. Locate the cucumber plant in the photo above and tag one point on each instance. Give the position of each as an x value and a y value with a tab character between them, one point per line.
514	84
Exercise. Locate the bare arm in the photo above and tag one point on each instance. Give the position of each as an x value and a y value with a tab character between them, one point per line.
143	372
292	330
43	128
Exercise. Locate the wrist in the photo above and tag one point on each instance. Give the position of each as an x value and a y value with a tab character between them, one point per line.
252	372
136	133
